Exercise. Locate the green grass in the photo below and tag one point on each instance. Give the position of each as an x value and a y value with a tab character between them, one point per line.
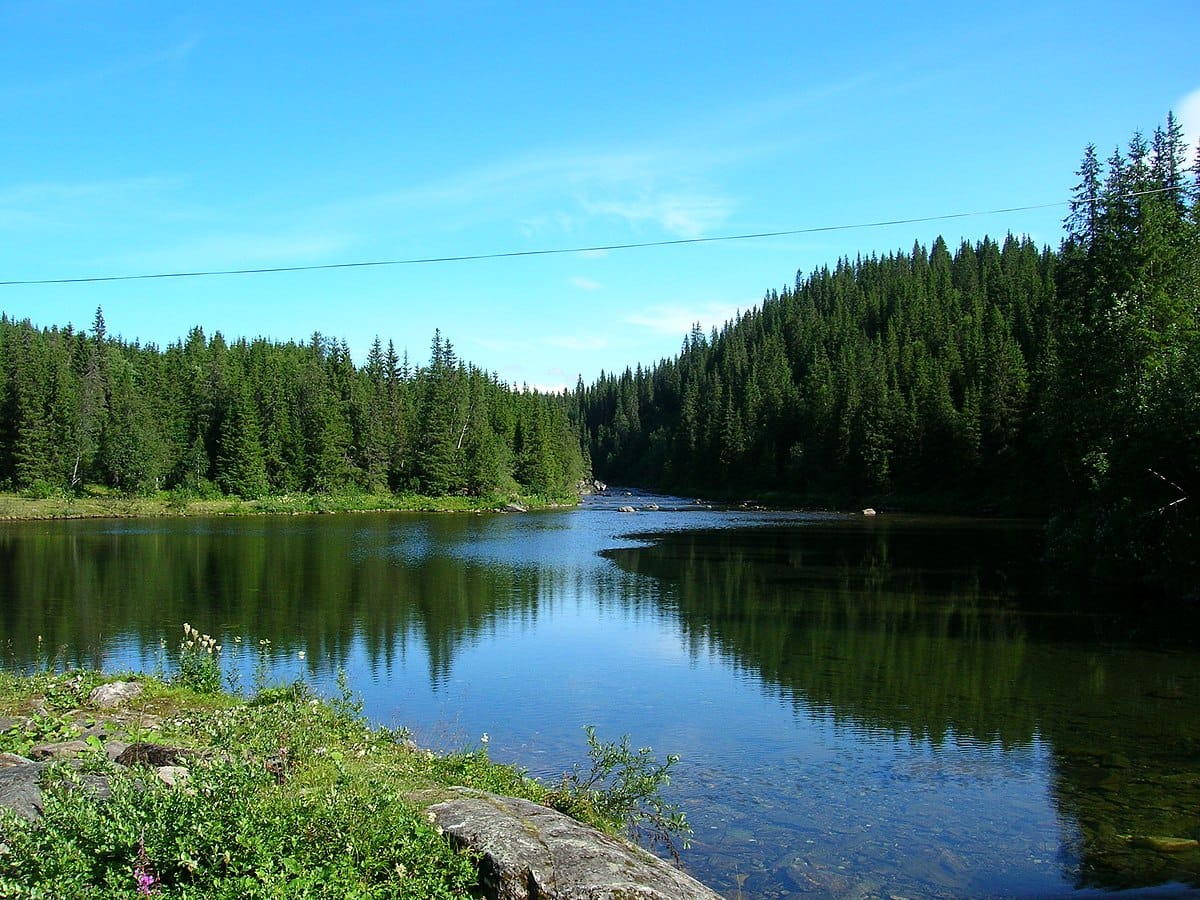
96	502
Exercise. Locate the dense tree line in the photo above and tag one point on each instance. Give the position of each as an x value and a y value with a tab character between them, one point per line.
907	372
255	417
1063	382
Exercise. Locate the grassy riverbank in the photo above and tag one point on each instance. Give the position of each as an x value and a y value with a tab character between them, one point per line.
97	502
285	794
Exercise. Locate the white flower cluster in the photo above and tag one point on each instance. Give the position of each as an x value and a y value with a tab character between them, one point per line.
194	640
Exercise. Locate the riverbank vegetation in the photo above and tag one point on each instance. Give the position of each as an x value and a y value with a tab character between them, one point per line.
995	375
284	793
205	420
93	501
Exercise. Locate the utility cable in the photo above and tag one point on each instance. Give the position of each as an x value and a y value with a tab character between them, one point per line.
512	254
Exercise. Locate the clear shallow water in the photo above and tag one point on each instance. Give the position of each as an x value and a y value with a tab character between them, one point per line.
863	707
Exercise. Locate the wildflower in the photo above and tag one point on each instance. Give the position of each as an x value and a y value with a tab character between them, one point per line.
143	872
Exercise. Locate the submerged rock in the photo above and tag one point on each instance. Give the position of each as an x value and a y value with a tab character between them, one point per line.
1164	844
530	852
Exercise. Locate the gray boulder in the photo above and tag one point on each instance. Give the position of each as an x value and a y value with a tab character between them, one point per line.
21	788
115	693
530	852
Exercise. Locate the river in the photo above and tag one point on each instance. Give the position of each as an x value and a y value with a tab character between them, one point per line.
864	706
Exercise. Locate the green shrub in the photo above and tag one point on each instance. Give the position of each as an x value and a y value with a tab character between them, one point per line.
622	788
41	489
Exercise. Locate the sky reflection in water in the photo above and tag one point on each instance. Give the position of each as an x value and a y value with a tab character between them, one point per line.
861	707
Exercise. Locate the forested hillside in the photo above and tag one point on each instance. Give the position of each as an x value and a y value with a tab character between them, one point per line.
258	417
910	372
1065	382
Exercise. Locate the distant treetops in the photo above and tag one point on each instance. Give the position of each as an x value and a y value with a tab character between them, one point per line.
258	417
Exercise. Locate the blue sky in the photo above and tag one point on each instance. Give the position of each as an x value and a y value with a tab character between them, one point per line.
159	137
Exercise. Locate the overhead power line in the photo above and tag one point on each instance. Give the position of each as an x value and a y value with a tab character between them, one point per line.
511	254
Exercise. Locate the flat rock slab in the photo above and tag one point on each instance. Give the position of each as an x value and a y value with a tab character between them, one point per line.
531	852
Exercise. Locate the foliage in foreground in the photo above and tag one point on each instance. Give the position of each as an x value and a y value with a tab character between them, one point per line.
289	796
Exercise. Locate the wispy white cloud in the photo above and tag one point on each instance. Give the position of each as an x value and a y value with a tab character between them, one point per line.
72	202
560	192
69	191
86	77
678	319
242	250
585	284
685	215
548	387
1188	112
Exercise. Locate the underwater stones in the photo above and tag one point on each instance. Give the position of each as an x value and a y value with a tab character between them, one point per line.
1164	844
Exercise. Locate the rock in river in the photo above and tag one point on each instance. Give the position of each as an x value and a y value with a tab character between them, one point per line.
529	851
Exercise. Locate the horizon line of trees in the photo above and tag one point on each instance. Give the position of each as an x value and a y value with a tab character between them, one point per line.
257	417
1000	375
1063	382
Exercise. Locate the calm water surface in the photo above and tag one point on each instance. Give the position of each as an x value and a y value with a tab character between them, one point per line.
864	707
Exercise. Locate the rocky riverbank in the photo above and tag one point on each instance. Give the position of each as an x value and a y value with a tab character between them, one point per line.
138	786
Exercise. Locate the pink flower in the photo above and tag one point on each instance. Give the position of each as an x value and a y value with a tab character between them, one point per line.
145	882
143	872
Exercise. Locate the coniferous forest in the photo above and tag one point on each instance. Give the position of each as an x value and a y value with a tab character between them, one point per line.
252	418
994	375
